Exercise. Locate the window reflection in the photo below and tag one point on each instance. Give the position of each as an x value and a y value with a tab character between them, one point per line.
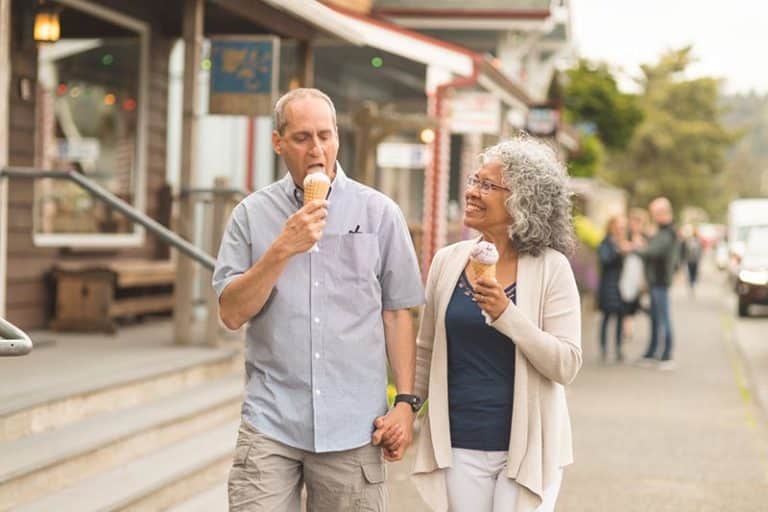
88	116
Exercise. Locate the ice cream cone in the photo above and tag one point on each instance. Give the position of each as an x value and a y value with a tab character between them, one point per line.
482	270
316	186
482	260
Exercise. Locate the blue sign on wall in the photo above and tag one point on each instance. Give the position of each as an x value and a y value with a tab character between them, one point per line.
243	75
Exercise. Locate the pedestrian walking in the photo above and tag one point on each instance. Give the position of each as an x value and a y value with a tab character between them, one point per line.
611	253
494	354
691	251
660	257
325	289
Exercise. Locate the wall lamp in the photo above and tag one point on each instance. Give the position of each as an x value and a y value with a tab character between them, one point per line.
47	28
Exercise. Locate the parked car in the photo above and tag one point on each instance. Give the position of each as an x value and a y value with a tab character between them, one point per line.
752	277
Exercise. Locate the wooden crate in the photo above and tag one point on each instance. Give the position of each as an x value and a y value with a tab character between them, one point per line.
91	296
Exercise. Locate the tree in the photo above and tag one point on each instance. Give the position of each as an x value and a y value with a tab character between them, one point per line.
589	158
679	148
592	97
746	173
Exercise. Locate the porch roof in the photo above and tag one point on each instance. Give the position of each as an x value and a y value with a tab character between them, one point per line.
295	19
431	51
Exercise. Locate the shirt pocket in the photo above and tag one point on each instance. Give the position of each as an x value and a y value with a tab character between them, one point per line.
357	255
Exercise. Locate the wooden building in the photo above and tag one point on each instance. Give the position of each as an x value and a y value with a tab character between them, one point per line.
29	247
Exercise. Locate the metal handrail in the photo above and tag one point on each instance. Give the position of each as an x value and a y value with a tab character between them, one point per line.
13	341
162	232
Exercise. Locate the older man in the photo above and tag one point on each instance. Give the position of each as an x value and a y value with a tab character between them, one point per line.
660	257
321	324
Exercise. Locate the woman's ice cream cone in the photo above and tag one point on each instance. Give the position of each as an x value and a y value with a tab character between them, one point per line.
482	260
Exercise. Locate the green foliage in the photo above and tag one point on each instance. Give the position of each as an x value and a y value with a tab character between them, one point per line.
679	148
589	159
746	172
586	231
592	96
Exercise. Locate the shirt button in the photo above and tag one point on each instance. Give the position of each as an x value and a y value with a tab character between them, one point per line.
317	283
317	320
317	355
317	391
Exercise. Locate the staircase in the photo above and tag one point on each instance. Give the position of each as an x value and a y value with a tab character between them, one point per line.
157	434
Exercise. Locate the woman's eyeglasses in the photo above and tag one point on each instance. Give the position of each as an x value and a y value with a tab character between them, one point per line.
484	185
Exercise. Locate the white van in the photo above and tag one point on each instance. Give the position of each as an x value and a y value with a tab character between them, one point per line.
743	216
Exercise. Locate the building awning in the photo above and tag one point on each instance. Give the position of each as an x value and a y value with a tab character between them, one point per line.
410	45
431	51
322	17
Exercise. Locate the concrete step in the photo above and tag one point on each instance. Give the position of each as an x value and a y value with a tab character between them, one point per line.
42	463
154	482
50	397
211	500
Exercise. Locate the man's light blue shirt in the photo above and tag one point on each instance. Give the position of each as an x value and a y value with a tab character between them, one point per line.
316	354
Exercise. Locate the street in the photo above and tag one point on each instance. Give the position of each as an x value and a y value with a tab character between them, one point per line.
692	439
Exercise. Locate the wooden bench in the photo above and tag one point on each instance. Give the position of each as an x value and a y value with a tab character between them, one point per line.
91	296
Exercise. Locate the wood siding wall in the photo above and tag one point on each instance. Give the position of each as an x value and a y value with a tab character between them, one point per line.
29	299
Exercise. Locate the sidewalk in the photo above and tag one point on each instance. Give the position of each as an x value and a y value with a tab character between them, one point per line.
685	440
650	440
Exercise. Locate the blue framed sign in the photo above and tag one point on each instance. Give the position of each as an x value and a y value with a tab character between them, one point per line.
244	75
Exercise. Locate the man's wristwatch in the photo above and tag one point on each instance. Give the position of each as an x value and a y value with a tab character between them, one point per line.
413	400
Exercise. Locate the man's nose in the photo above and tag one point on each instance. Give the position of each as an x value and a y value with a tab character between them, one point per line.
317	145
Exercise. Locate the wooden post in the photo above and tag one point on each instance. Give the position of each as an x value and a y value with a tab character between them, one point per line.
221	206
307	58
5	78
193	37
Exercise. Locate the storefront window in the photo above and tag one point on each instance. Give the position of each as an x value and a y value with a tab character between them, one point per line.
91	122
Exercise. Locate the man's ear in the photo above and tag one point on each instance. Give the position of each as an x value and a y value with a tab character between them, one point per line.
276	142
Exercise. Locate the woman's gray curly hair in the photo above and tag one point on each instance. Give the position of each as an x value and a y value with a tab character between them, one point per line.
540	201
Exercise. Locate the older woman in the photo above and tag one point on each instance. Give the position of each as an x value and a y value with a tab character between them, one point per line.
494	354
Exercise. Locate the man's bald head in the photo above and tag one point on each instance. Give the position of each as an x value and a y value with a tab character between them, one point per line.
661	210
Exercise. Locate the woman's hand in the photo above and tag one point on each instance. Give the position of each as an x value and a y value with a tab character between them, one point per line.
490	297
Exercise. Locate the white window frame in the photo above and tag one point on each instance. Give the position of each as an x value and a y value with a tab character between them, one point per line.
5	78
135	238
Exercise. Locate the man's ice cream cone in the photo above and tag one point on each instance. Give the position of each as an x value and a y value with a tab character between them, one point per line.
482	260
316	186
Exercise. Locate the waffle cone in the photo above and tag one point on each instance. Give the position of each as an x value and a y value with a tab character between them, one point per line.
316	190
482	270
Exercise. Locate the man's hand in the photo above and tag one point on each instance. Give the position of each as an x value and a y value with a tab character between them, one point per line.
490	297
304	228
394	431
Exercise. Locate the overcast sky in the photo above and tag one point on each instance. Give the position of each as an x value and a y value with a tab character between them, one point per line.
730	38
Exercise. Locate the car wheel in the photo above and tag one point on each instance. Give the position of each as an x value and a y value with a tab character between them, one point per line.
743	308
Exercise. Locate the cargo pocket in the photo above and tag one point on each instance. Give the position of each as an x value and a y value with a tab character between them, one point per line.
374	495
241	454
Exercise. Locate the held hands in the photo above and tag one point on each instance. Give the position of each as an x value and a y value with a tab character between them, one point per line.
394	431
304	228
490	297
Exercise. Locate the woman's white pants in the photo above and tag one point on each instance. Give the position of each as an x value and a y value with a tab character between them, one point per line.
478	482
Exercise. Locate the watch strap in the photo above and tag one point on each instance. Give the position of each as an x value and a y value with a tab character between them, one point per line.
413	400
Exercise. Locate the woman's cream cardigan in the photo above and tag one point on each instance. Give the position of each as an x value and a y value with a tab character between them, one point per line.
545	325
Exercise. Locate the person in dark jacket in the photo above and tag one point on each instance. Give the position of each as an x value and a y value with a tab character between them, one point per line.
690	254
611	256
660	257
